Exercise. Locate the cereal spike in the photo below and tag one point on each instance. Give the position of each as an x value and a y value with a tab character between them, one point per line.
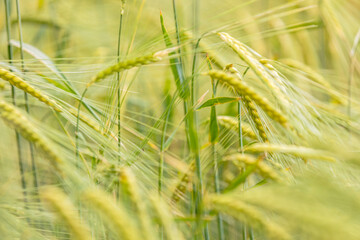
166	219
128	64
113	213
253	63
229	122
15	119
26	87
253	113
66	211
294	150
181	187
262	168
248	213
128	180
245	90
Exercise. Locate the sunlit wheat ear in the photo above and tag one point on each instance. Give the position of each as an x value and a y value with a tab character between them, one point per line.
114	214
128	64
165	217
255	65
262	168
247	213
232	123
243	89
66	212
26	87
299	151
15	119
254	115
249	105
129	183
182	185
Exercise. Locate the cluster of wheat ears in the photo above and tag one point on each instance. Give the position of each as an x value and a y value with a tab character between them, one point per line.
205	120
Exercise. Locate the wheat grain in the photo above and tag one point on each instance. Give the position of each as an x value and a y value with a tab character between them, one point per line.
254	64
128	64
15	119
245	90
181	187
231	123
249	105
26	87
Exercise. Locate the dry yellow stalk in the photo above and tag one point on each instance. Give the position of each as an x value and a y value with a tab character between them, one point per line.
113	213
66	211
15	119
26	87
243	89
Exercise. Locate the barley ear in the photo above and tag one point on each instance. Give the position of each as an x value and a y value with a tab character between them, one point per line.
66	212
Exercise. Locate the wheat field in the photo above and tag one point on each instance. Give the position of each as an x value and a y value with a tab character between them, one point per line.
180	119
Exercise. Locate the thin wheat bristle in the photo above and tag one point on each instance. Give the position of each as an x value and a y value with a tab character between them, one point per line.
66	211
298	151
263	169
254	64
26	87
15	119
249	214
245	90
113	213
314	76
128	64
92	124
